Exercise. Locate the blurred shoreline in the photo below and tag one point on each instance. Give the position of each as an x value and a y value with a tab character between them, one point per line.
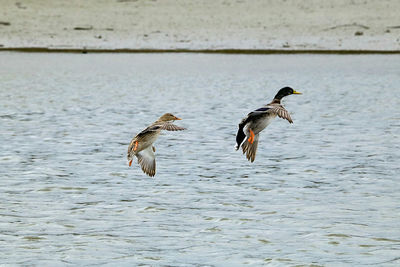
202	51
221	26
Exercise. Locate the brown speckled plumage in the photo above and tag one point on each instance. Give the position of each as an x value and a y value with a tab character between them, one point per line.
142	147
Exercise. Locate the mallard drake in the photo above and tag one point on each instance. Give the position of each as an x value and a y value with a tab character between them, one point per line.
142	147
257	120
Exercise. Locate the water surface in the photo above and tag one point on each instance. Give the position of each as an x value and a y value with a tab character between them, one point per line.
324	190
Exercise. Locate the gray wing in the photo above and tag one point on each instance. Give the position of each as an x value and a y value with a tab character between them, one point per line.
278	110
171	127
281	112
151	128
147	161
261	111
256	114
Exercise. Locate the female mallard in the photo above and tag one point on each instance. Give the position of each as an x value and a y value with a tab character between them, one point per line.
257	120
142	147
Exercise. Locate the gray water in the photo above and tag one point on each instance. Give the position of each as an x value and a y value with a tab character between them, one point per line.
322	191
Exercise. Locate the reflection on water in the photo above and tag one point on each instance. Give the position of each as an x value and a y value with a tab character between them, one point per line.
323	191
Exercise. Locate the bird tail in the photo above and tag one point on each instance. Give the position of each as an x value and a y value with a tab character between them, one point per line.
250	149
240	136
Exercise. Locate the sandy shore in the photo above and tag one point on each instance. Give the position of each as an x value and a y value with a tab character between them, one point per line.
207	24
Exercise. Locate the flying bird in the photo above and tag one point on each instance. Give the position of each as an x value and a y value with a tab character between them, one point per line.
258	120
142	147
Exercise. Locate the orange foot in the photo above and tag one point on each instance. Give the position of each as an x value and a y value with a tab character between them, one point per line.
251	138
130	162
136	145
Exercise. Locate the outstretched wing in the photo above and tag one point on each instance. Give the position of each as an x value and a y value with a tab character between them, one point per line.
171	127
259	112
282	113
254	115
151	128
147	161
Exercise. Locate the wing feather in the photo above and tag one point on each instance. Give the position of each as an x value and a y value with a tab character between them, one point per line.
151	128
258	112
282	113
171	127
147	161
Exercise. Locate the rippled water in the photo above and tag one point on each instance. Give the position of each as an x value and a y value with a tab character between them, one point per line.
324	190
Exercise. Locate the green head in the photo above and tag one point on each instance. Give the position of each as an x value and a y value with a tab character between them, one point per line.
285	91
